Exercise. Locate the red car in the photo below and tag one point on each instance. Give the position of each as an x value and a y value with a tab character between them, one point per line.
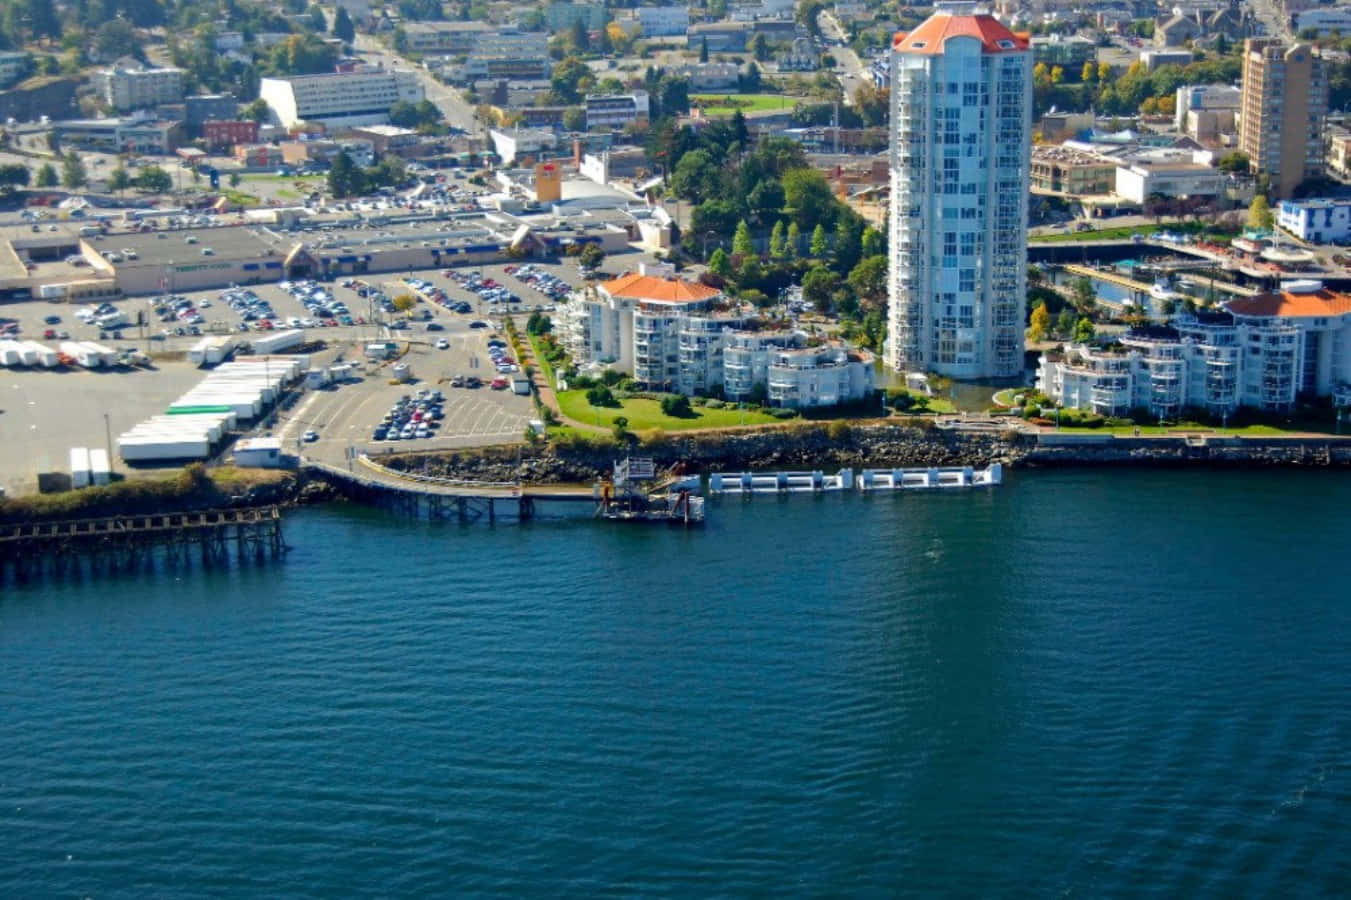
49	334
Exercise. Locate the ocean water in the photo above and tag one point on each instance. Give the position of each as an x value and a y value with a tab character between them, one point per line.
1084	683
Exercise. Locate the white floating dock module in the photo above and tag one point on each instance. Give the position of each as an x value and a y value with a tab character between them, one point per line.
80	475
99	469
779	482
929	479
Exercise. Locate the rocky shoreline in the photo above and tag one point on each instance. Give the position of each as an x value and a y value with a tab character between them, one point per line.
878	445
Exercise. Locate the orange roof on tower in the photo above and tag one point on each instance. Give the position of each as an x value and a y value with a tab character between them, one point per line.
931	34
648	287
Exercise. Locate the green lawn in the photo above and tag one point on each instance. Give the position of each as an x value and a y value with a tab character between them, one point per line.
643	414
239	198
726	104
1116	234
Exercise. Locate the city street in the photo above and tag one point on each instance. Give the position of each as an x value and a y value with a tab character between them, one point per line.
853	72
458	113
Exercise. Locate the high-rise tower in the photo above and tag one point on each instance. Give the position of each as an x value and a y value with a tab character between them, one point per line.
1284	102
961	101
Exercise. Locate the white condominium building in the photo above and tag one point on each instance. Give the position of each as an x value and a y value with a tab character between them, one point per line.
961	103
125	89
339	98
672	336
1264	352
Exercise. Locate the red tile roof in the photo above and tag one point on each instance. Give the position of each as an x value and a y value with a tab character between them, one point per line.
648	287
1295	305
930	35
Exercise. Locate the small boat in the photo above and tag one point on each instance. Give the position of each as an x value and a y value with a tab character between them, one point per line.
1163	290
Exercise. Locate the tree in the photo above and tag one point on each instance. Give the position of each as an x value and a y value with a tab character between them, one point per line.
1064	323
115	38
235	179
569	80
119	180
819	246
718	217
1259	214
1040	323
46	176
741	241
154	179
343	29
1084	331
776	242
1104	72
1235	163
869	278
1084	296
591	256
872	243
345	179
807	197
720	263
703	51
696	177
72	171
757	46
677	406
317	21
819	287
1089	73
765	200
574	119
404	302
12	176
793	242
256	111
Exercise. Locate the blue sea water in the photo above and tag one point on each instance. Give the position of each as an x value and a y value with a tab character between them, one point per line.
1084	683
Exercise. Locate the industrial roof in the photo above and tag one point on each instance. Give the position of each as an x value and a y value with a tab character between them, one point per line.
931	34
666	290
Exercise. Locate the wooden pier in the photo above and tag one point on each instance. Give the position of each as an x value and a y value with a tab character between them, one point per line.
135	543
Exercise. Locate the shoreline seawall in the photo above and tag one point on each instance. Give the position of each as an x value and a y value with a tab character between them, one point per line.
880	445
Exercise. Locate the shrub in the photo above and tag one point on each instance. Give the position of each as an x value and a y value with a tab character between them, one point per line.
676	406
784	413
715	404
838	431
601	396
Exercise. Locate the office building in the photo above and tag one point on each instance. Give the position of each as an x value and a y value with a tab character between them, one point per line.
340	98
1285	100
615	110
961	105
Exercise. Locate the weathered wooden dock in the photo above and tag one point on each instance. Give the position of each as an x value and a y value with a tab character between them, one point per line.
136	542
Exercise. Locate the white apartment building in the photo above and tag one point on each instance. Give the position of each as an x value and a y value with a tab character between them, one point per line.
340	98
1263	353
615	110
805	377
1319	221
125	89
663	21
670	336
961	105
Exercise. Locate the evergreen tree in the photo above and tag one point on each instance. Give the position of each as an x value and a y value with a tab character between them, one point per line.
777	240
46	176
343	29
703	51
741	241
819	246
72	171
794	241
720	264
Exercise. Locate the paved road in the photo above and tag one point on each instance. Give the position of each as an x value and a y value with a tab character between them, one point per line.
451	102
855	73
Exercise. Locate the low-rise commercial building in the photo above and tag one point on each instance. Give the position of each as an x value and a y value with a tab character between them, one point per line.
202	108
1319	221
1142	180
663	21
1070	52
1072	172
135	134
446	38
224	135
1264	352
560	15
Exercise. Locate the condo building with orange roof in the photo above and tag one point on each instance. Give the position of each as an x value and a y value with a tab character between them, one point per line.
961	107
684	337
1263	352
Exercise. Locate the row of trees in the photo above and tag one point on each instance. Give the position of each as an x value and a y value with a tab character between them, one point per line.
347	179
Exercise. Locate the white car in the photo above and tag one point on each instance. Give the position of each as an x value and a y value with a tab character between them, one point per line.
443	344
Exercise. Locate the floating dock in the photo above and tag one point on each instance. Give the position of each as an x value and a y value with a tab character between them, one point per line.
749	483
